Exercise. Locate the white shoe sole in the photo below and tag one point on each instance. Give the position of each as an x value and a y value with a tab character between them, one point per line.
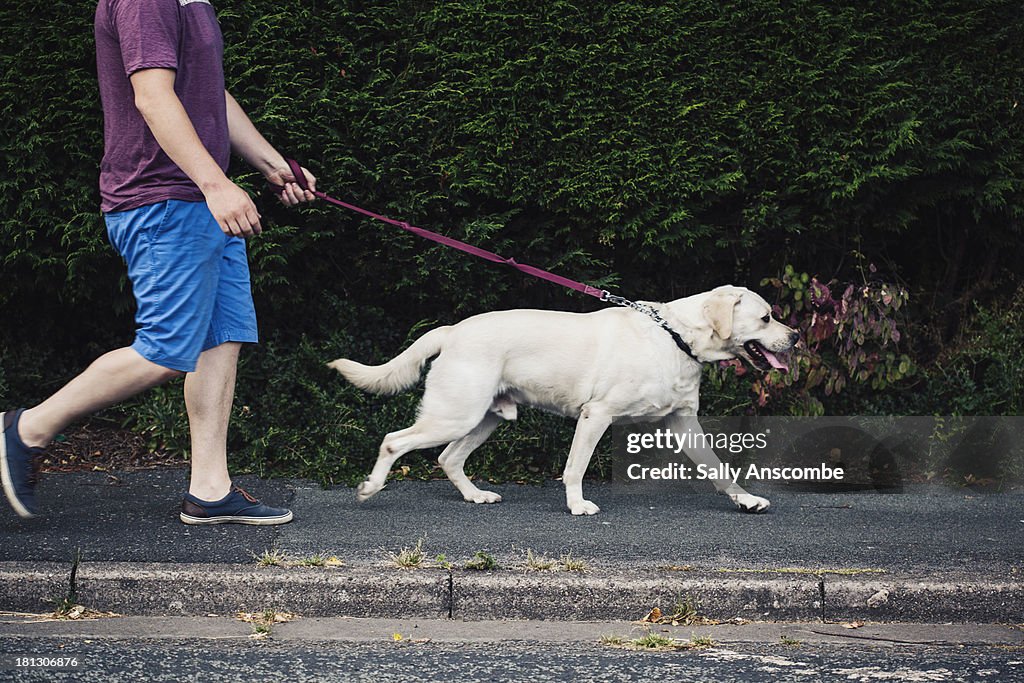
256	521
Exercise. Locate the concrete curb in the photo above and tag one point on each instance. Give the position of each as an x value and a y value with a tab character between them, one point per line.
597	595
755	597
199	589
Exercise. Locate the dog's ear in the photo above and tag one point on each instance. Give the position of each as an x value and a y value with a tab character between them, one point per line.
718	311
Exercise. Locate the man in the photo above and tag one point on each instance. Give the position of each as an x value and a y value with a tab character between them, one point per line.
180	224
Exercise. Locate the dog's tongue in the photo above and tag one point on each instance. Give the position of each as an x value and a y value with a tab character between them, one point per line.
774	361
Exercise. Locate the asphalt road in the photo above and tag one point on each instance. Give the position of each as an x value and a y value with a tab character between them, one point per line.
245	661
133	518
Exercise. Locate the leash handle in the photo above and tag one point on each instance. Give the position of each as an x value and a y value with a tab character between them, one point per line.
300	179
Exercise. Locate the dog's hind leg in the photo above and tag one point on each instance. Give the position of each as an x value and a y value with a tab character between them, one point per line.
456	399
423	434
454	457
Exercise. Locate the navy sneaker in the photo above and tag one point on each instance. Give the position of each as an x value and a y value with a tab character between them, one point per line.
238	507
19	466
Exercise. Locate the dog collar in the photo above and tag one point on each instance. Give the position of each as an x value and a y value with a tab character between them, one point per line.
683	346
653	314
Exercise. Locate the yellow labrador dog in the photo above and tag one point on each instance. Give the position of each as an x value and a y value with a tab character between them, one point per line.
594	367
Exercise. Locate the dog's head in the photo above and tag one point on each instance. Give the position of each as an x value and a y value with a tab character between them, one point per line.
739	324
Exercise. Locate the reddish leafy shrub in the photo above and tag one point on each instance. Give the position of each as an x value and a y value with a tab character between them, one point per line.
850	338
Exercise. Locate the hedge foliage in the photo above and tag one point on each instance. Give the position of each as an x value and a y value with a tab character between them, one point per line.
656	148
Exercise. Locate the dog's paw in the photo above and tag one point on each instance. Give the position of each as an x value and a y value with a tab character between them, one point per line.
365	490
584	507
479	496
749	503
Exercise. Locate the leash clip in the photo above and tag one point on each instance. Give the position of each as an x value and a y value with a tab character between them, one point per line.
653	314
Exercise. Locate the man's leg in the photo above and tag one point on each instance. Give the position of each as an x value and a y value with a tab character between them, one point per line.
211	497
209	392
110	379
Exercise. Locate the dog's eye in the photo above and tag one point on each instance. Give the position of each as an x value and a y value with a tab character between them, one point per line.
767	318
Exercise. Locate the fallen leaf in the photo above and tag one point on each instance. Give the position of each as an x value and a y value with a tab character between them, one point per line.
654	616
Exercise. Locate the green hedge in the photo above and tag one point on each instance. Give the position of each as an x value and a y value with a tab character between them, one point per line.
655	148
664	147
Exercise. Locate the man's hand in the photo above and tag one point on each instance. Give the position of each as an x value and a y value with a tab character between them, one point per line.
247	142
292	194
234	210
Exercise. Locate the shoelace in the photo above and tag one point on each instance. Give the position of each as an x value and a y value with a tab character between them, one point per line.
246	494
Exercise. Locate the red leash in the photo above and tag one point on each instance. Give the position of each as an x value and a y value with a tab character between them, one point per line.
602	294
300	180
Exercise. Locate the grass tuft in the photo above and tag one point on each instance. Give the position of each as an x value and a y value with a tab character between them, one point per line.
409	558
539	563
482	562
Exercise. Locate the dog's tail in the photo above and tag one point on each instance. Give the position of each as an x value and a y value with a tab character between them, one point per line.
399	373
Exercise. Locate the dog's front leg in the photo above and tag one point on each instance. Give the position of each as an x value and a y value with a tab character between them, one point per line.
590	428
702	455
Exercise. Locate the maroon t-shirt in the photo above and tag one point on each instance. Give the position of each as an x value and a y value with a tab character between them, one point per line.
132	35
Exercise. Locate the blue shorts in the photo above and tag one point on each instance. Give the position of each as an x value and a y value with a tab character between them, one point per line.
190	280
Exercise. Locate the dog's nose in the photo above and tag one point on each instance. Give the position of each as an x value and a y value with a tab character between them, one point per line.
794	337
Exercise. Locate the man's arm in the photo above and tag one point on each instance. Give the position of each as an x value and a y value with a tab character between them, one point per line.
166	117
247	143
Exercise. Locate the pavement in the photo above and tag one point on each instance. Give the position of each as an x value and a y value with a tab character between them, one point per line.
926	555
